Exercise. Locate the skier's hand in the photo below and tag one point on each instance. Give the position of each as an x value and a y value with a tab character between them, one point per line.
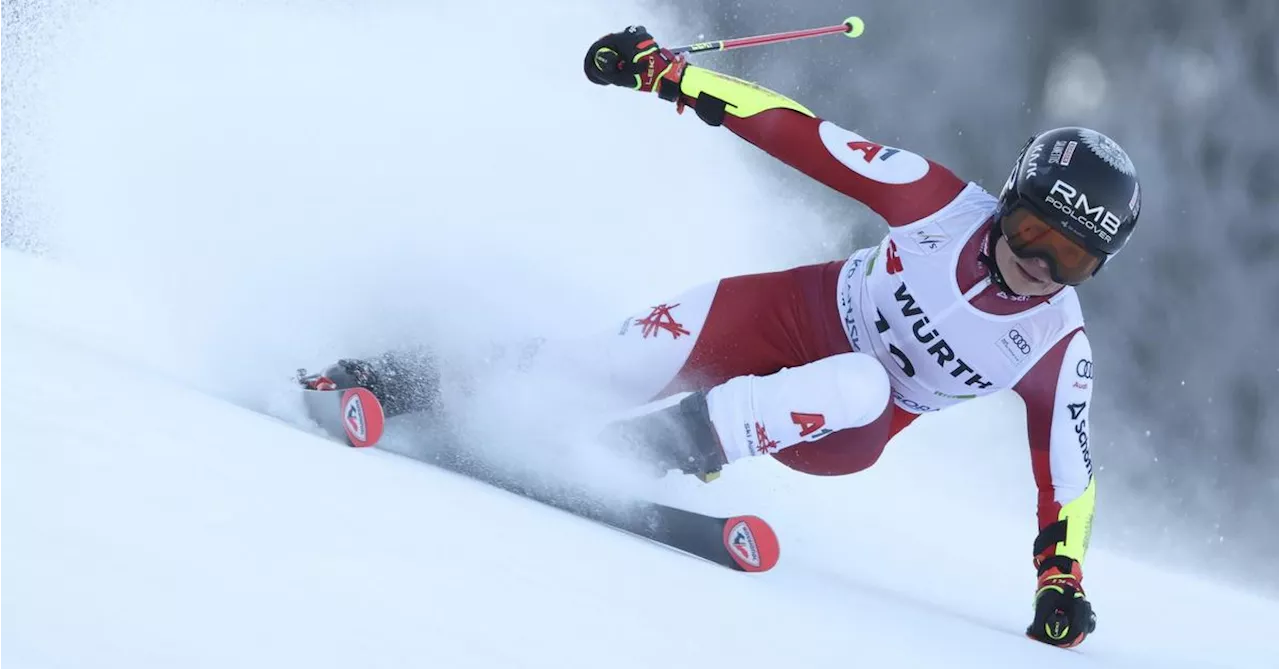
1063	616
633	59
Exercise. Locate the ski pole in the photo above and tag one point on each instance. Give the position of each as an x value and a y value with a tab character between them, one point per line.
852	27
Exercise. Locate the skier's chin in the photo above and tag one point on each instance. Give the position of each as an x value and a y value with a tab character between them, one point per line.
1029	275
1027	284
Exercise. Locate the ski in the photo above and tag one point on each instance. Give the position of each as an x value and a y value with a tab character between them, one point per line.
743	543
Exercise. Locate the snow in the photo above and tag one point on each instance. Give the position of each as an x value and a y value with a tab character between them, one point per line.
288	183
149	524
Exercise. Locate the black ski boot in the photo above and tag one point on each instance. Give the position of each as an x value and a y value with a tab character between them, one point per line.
403	383
677	437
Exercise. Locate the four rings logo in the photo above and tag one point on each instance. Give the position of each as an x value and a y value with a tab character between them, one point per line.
1019	341
1014	345
1084	369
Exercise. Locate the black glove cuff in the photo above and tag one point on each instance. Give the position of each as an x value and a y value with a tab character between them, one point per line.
669	90
1051	534
1061	562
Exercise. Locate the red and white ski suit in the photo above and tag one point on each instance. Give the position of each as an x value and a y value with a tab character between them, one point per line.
820	366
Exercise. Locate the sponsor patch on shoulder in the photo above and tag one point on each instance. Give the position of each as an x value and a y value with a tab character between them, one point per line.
877	162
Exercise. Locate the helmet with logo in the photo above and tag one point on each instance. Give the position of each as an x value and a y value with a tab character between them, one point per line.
1072	200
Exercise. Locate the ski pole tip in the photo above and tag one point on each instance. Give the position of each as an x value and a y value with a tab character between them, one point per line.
855	25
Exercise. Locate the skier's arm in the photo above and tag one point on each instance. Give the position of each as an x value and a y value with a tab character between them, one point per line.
1057	392
900	186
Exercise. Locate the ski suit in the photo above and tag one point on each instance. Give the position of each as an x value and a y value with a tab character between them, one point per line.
819	366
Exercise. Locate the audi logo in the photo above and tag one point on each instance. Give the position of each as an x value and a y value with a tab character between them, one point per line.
1019	341
1084	369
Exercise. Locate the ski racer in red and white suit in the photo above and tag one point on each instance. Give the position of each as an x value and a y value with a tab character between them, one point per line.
820	366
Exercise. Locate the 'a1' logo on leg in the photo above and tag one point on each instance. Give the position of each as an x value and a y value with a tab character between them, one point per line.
812	425
362	417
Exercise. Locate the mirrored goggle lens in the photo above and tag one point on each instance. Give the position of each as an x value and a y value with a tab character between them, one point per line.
1029	236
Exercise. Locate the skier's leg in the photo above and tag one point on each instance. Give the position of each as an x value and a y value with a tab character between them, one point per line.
736	337
772	372
751	324
846	451
636	360
755	415
812	408
754	324
762	323
631	364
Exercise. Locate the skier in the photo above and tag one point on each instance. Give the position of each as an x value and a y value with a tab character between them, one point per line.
819	366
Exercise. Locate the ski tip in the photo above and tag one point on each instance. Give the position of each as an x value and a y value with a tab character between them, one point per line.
751	542
362	417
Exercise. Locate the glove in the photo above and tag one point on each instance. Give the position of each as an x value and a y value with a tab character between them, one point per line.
633	59
1063	616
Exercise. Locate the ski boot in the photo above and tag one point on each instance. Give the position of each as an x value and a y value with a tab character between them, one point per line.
676	437
403	383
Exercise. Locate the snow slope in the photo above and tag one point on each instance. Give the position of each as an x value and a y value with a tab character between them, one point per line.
228	191
148	524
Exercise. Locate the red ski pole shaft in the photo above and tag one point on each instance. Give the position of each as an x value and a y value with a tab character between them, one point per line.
852	27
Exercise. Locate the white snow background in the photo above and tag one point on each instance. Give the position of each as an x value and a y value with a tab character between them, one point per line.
229	191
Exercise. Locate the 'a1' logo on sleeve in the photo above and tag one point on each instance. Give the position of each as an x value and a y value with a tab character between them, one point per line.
877	162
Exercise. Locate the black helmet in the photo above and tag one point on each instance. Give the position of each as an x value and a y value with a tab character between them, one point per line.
1081	184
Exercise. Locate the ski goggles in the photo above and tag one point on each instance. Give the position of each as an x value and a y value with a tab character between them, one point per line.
1030	236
